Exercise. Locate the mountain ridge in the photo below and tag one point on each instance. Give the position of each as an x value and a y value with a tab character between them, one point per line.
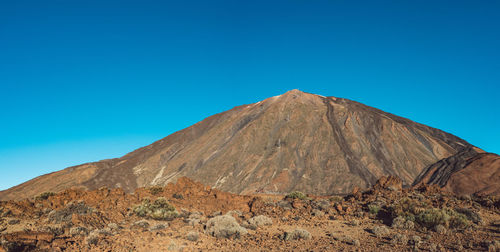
293	141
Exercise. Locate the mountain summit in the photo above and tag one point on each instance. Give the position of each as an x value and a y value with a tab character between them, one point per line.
294	141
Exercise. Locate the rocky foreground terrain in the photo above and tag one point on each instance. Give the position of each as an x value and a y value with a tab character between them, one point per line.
188	216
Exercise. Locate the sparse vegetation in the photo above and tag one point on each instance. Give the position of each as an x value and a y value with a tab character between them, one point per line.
421	213
380	231
296	195
258	221
64	215
141	224
336	199
155	190
402	223
158	227
399	239
373	208
440	229
447	217
415	240
317	212
92	239
225	226
44	195
177	196
297	234
192	236
159	209
470	214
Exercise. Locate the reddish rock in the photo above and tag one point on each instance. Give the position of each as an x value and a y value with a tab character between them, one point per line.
392	183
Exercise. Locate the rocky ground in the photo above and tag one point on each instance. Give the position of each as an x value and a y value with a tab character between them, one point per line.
188	216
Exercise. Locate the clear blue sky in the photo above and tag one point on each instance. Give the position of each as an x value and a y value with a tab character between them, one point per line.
87	80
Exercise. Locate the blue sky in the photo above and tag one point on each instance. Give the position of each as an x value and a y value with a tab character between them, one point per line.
87	80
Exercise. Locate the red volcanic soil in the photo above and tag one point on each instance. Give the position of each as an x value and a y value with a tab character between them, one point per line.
107	220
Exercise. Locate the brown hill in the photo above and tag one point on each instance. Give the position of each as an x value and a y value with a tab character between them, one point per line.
295	141
467	172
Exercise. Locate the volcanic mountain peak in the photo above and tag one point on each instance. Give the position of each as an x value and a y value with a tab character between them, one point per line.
294	141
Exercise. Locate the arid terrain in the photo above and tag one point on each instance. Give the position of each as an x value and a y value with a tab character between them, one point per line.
188	216
295	172
294	141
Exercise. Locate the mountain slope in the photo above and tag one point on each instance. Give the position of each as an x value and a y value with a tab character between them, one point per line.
295	141
467	172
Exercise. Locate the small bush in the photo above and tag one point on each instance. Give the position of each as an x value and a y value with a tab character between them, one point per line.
446	217
297	234
399	239
440	229
65	215
155	190
296	195
355	223
373	208
194	218
225	226
415	240
408	208
432	217
336	199
44	195
159	209
177	196
316	212
402	223
114	226
92	239
260	220
158	227
82	231
380	231
470	214
419	212
141	224
192	236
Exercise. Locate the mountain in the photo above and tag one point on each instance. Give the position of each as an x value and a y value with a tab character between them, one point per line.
467	172
295	141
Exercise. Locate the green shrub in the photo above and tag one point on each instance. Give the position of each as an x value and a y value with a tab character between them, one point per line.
336	199
421	213
177	196
159	209
44	195
408	208
296	195
430	218
155	190
373	208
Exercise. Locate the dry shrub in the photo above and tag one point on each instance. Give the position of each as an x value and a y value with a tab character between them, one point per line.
159	209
